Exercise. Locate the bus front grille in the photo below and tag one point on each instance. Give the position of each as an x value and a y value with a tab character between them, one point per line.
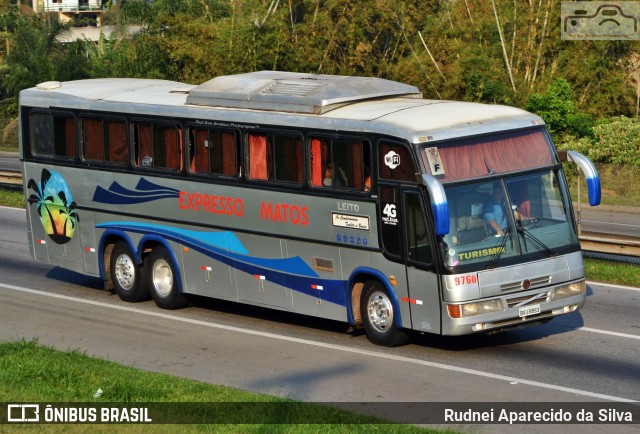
519	285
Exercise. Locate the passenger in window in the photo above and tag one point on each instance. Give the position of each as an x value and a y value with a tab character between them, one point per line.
494	214
367	179
334	178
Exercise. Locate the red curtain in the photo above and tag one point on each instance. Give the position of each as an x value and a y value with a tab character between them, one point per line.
229	157
145	137
70	137
201	158
171	142
117	134
93	139
258	156
475	159
316	163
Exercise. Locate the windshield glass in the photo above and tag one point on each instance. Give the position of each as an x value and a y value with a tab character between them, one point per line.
497	221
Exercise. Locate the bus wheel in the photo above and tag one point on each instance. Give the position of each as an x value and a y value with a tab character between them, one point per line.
376	310
160	278
126	274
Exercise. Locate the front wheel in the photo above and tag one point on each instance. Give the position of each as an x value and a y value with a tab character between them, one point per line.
161	280
378	316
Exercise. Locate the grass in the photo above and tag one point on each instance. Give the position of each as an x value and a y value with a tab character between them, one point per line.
34	373
12	197
620	185
612	272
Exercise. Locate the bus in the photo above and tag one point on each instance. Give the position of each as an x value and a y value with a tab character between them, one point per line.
346	198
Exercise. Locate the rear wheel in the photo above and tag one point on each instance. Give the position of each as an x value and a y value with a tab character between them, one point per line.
378	316
161	280
126	275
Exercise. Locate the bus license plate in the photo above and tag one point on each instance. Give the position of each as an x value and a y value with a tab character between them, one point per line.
534	309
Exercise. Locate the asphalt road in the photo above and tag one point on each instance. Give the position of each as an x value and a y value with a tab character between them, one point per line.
588	356
9	162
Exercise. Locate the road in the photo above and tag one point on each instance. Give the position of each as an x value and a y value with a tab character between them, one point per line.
9	162
591	355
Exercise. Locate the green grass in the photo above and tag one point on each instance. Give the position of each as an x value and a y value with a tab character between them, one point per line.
11	197
620	185
612	272
34	373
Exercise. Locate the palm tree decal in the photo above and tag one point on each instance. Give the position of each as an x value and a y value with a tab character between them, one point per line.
70	212
55	206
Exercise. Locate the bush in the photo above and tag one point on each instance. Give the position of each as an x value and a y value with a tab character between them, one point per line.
616	141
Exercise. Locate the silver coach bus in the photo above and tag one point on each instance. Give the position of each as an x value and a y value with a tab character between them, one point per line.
347	198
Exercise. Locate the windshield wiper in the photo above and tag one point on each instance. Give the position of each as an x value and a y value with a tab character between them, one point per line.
500	246
525	233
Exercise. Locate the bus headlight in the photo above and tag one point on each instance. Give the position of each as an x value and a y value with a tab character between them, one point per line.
472	309
569	290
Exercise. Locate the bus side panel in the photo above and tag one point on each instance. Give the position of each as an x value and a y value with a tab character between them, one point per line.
424	300
53	219
261	275
90	250
207	276
37	237
321	289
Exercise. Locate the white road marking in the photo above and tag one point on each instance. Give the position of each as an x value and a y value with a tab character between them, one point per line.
328	346
606	332
611	285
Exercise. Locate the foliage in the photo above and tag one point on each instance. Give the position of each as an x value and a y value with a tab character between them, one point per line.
556	107
616	141
497	51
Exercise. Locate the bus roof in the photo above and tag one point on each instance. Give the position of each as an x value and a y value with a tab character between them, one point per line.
319	102
293	91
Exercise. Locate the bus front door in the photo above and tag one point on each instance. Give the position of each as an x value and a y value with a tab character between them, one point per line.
422	278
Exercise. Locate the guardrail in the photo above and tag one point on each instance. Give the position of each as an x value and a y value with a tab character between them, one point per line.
591	242
10	179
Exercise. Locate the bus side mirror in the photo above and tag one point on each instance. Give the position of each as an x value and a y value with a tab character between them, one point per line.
439	204
591	173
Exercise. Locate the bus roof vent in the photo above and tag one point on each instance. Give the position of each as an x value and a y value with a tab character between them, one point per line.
294	92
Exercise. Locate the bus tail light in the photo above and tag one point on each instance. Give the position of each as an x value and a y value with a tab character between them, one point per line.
477	308
569	290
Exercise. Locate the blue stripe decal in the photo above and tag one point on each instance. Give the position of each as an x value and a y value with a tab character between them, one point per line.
145	191
293	273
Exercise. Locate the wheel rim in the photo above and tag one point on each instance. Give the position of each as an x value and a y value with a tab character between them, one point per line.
380	311
162	278
125	272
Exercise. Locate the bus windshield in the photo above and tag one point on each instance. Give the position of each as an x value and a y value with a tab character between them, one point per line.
499	221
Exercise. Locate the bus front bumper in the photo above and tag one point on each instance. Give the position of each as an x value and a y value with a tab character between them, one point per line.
511	311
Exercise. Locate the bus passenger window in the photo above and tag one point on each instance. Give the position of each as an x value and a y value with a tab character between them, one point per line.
105	140
53	135
340	163
158	146
215	152
64	136
275	157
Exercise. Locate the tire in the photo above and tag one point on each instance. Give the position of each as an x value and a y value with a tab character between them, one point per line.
126	274
378	316
160	276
